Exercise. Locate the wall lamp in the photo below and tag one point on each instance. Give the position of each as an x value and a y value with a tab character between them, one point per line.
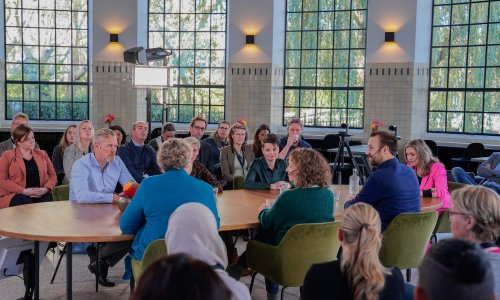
113	38
389	37
250	39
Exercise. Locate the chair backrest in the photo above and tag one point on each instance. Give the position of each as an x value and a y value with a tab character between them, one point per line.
433	146
443	223
330	141
406	238
238	182
473	150
155	250
302	246
60	193
455	186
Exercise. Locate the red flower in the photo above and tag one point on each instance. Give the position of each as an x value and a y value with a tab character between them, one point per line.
109	118
129	189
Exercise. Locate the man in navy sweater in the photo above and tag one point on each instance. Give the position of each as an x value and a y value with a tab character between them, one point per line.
139	159
393	188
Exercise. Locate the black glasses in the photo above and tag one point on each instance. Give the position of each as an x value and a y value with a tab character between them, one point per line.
452	213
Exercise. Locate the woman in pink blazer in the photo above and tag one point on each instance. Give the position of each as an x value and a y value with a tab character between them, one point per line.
26	174
430	172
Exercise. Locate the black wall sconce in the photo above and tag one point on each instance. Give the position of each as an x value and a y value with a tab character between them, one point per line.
389	37
113	38
250	39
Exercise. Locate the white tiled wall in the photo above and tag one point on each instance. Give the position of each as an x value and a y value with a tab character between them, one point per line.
396	94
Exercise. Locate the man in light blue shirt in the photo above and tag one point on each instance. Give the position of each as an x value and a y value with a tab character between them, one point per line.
93	180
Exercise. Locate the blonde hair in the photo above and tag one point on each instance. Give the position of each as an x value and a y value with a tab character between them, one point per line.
425	156
483	204
361	244
312	168
77	143
192	141
232	130
174	154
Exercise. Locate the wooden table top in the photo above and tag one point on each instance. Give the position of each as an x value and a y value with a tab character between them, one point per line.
239	209
67	221
63	221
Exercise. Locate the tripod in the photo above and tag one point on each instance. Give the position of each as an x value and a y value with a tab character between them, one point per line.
339	163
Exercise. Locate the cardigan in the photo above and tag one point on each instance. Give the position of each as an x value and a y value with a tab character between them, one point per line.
156	199
227	157
436	179
13	173
327	281
71	154
392	189
217	144
297	206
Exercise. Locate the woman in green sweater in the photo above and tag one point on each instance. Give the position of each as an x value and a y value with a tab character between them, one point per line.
309	202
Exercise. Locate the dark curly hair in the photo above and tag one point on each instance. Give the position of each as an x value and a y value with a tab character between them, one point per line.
312	168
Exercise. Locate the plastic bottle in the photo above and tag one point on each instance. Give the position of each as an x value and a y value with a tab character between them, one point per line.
354	183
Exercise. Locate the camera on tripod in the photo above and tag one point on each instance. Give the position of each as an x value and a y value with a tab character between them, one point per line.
346	132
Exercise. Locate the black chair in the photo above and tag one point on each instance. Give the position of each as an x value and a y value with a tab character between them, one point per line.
330	141
433	146
473	150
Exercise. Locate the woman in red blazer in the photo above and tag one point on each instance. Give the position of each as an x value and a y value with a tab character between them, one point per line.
430	172
26	174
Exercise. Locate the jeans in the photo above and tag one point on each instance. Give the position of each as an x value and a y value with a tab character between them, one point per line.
462	177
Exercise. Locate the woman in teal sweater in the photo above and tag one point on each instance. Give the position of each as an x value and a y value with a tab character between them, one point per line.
310	202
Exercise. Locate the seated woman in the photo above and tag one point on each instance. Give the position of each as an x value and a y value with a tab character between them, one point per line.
359	273
236	158
192	230
475	216
121	136
159	196
26	174
258	139
199	170
67	140
431	173
218	140
180	277
310	202
81	146
269	171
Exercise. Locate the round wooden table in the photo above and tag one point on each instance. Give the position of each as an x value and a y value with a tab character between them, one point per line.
239	209
62	221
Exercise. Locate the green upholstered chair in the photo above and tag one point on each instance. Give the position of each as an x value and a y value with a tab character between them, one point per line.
302	246
155	250
406	238
60	193
238	182
455	186
442	226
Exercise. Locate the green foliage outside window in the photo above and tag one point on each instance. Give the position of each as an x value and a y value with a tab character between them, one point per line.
196	33
464	94
46	69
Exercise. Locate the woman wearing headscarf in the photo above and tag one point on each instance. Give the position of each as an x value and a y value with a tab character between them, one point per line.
192	229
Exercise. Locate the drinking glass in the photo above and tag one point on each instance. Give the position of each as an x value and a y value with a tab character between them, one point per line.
215	189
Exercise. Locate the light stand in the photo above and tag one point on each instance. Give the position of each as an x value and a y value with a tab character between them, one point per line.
339	162
395	129
150	77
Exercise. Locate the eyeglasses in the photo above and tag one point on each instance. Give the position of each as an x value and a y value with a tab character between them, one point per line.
452	213
199	128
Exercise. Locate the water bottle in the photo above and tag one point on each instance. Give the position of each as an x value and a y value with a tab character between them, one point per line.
354	183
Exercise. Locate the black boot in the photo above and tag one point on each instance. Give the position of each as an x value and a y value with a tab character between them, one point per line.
102	277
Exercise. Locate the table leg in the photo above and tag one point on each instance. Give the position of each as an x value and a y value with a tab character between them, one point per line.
69	271
37	270
97	268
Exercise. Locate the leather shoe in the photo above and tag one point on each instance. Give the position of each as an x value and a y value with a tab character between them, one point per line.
102	277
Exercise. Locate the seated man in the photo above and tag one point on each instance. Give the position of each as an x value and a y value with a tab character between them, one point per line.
9	144
293	139
268	171
167	133
393	188
94	178
139	159
455	269
197	129
489	169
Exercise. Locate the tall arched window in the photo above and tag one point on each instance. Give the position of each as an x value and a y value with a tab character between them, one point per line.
325	62
46	59
464	84
196	33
